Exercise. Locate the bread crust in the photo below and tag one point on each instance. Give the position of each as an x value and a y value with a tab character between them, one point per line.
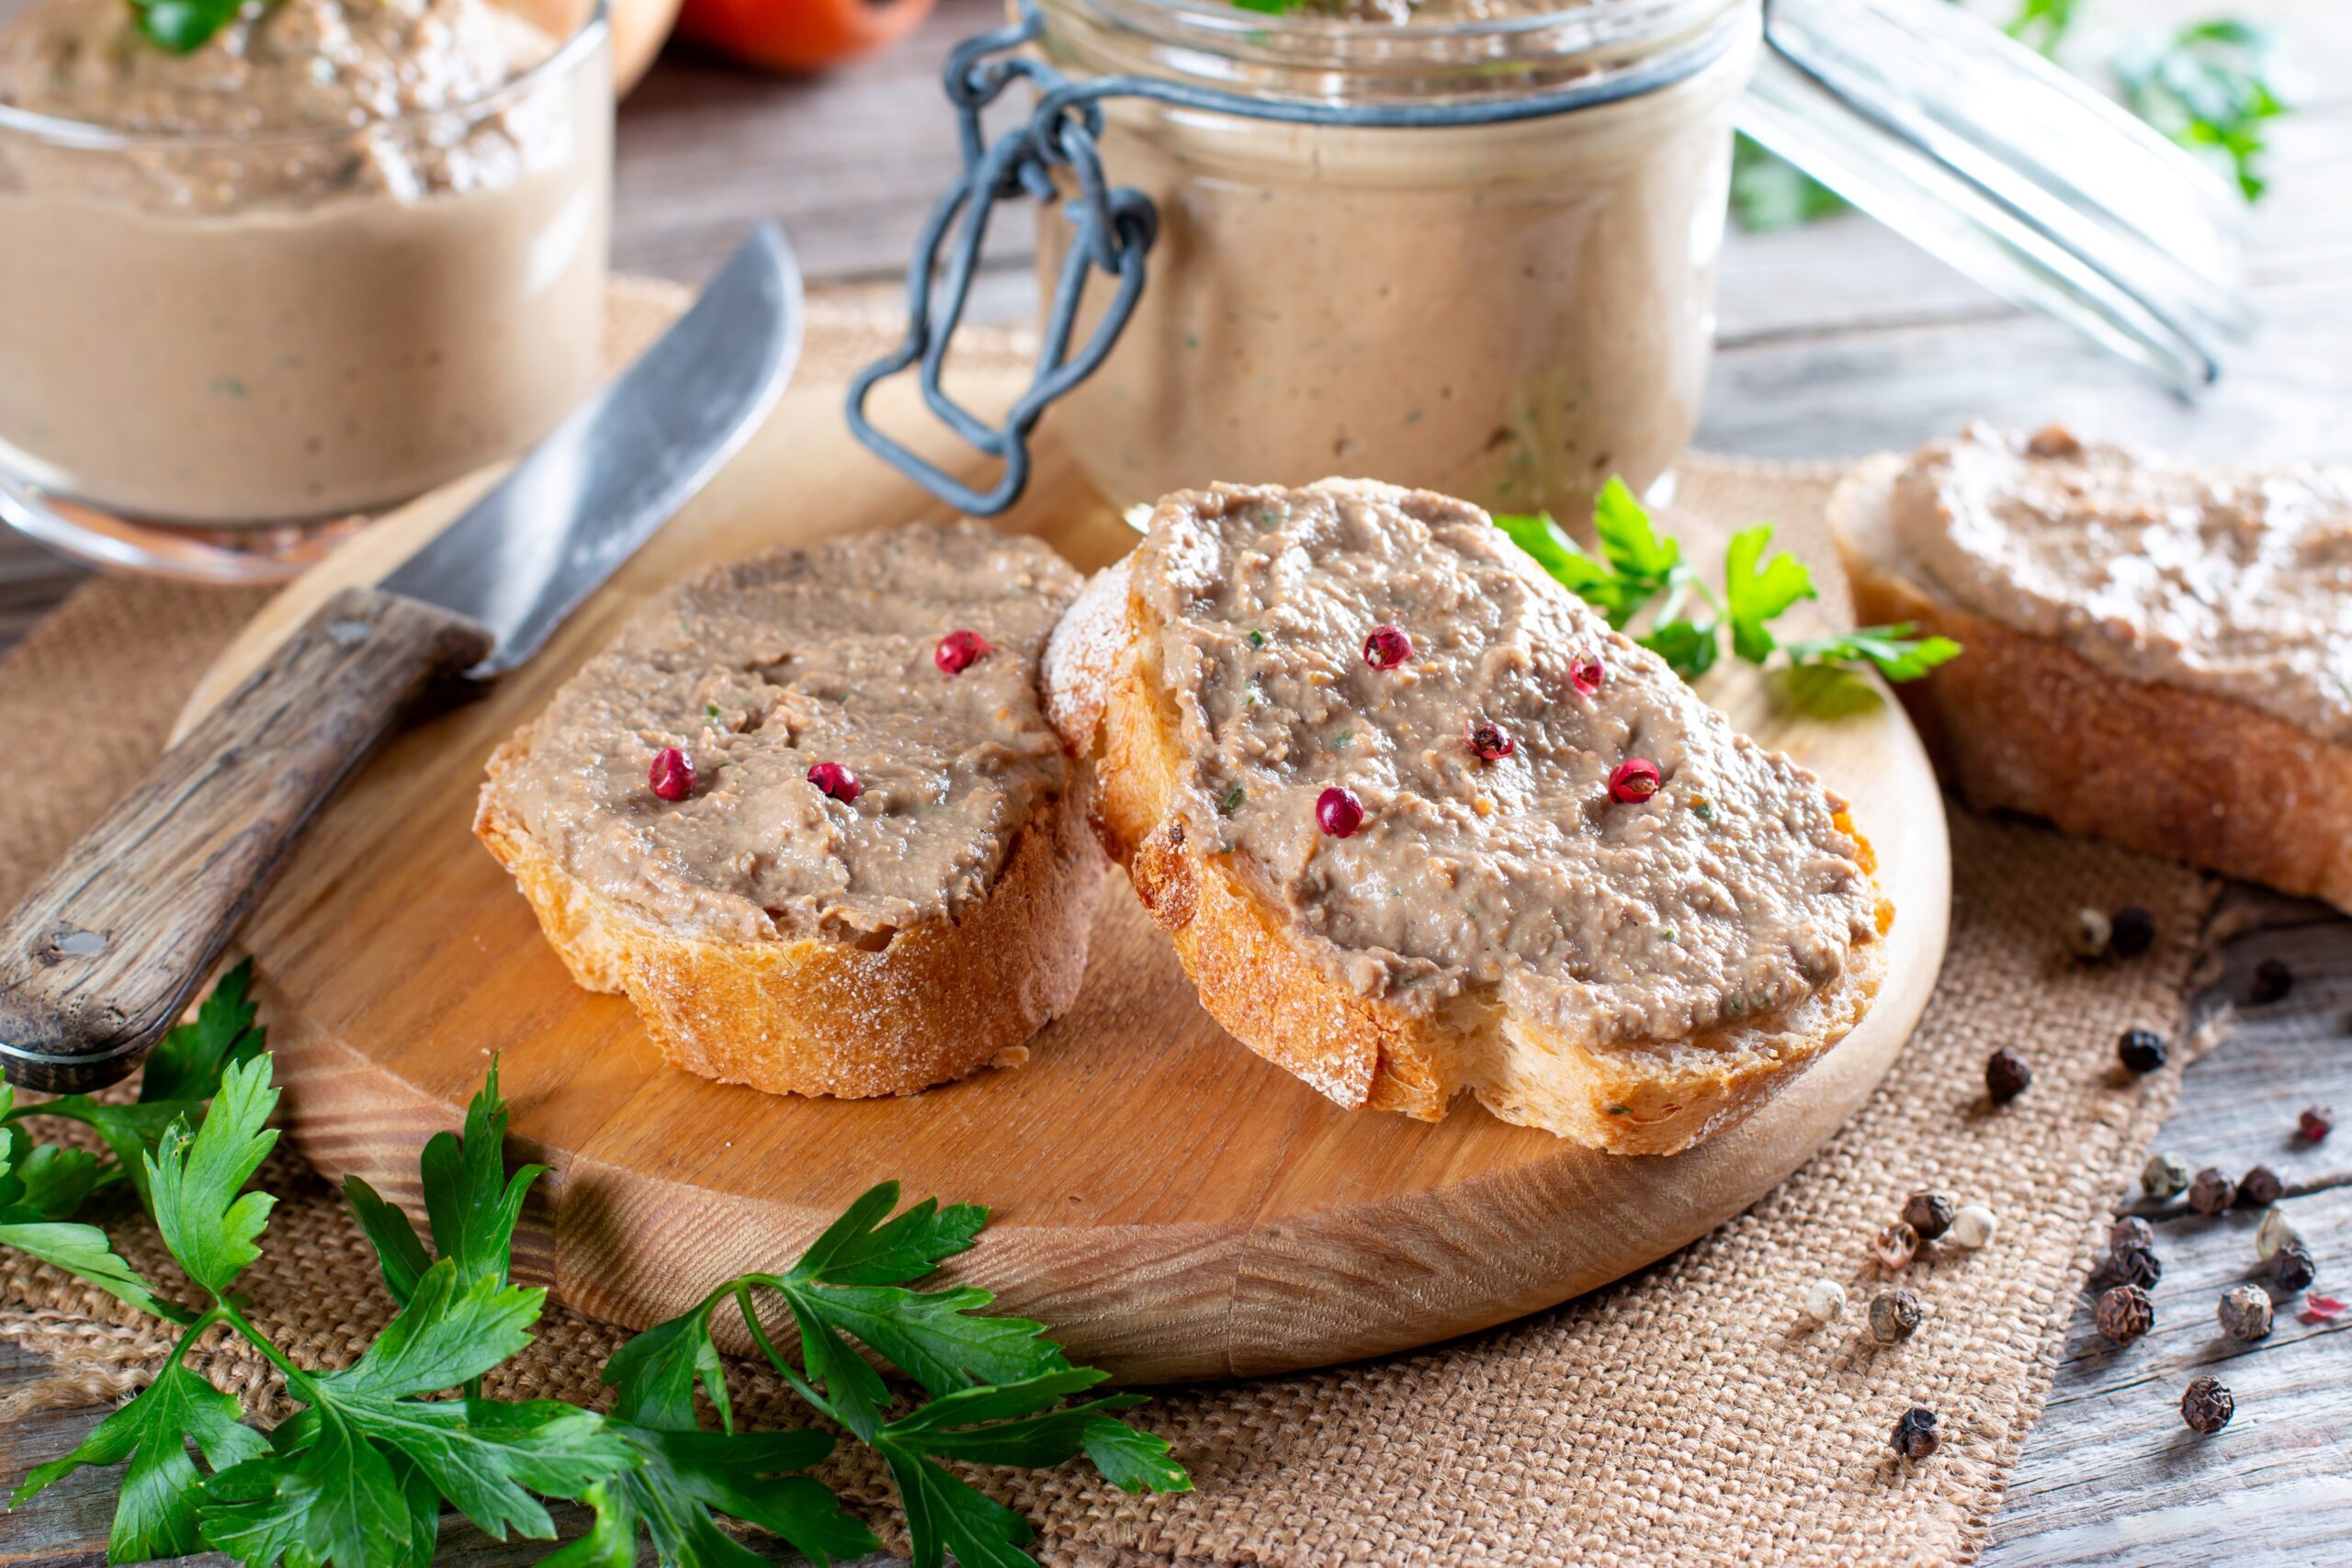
821	1017
1263	986
2024	723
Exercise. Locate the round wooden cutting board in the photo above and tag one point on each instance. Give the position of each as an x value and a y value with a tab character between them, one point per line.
1172	1205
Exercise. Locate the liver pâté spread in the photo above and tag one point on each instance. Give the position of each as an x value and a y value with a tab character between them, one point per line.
344	251
1729	893
2236	581
759	672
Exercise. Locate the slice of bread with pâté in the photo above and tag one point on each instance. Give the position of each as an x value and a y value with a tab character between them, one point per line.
1420	823
807	812
2159	653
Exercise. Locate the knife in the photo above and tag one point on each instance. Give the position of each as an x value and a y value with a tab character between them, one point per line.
106	951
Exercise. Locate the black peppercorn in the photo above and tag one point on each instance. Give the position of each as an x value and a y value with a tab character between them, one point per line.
2260	1188
2124	1314
2131	1231
2206	1407
2131	932
2142	1050
2293	1269
2135	1266
2210	1192
2316	1121
1895	1315
2272	981
1929	1213
2007	1075
2244	1313
1916	1436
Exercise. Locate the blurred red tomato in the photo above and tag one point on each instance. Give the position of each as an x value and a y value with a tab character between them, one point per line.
799	35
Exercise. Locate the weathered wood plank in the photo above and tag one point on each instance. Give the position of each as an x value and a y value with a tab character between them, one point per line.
2109	1475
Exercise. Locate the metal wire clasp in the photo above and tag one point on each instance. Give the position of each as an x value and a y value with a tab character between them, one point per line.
1112	230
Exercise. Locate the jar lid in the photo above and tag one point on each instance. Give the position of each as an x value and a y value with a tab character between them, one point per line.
1982	152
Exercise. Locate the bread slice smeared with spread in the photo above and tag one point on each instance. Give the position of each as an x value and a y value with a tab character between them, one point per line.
1386	782
2158	653
877	874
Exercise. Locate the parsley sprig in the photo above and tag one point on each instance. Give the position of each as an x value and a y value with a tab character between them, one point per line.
2207	87
360	1475
1638	568
183	27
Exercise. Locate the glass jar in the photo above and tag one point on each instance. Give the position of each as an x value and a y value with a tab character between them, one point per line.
1509	311
305	284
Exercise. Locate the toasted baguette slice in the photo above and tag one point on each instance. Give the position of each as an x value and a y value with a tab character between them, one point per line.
834	995
1284	991
2023	722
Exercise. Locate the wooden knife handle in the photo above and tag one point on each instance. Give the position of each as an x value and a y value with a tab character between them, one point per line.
104	954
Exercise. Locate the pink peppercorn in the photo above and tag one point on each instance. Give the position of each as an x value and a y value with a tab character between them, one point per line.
1492	741
1337	812
1634	780
833	780
673	773
1587	674
960	649
1386	647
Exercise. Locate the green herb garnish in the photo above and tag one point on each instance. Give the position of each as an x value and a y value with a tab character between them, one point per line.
358	1478
1257	638
1637	566
1232	801
1769	193
2206	86
2209	90
183	27
1893	651
2041	23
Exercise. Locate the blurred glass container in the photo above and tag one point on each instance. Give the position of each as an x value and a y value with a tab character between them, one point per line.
222	331
1510	312
1471	244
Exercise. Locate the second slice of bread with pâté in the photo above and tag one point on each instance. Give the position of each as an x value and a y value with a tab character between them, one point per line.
1420	824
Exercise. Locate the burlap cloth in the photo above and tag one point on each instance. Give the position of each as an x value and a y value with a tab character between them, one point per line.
1686	1414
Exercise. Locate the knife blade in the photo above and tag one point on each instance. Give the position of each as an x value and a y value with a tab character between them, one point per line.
621	464
104	954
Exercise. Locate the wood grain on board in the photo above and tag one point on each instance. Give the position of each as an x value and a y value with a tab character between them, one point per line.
1175	1206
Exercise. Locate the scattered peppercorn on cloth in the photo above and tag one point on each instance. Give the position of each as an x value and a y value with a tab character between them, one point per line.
1688	1413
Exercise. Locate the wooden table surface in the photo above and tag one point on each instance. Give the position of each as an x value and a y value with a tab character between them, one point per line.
1836	340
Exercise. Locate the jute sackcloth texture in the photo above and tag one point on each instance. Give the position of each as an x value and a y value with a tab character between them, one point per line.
1688	1414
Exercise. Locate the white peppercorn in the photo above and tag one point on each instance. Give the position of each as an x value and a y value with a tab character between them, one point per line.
2275	1232
2088	936
1825	1301
1972	1226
